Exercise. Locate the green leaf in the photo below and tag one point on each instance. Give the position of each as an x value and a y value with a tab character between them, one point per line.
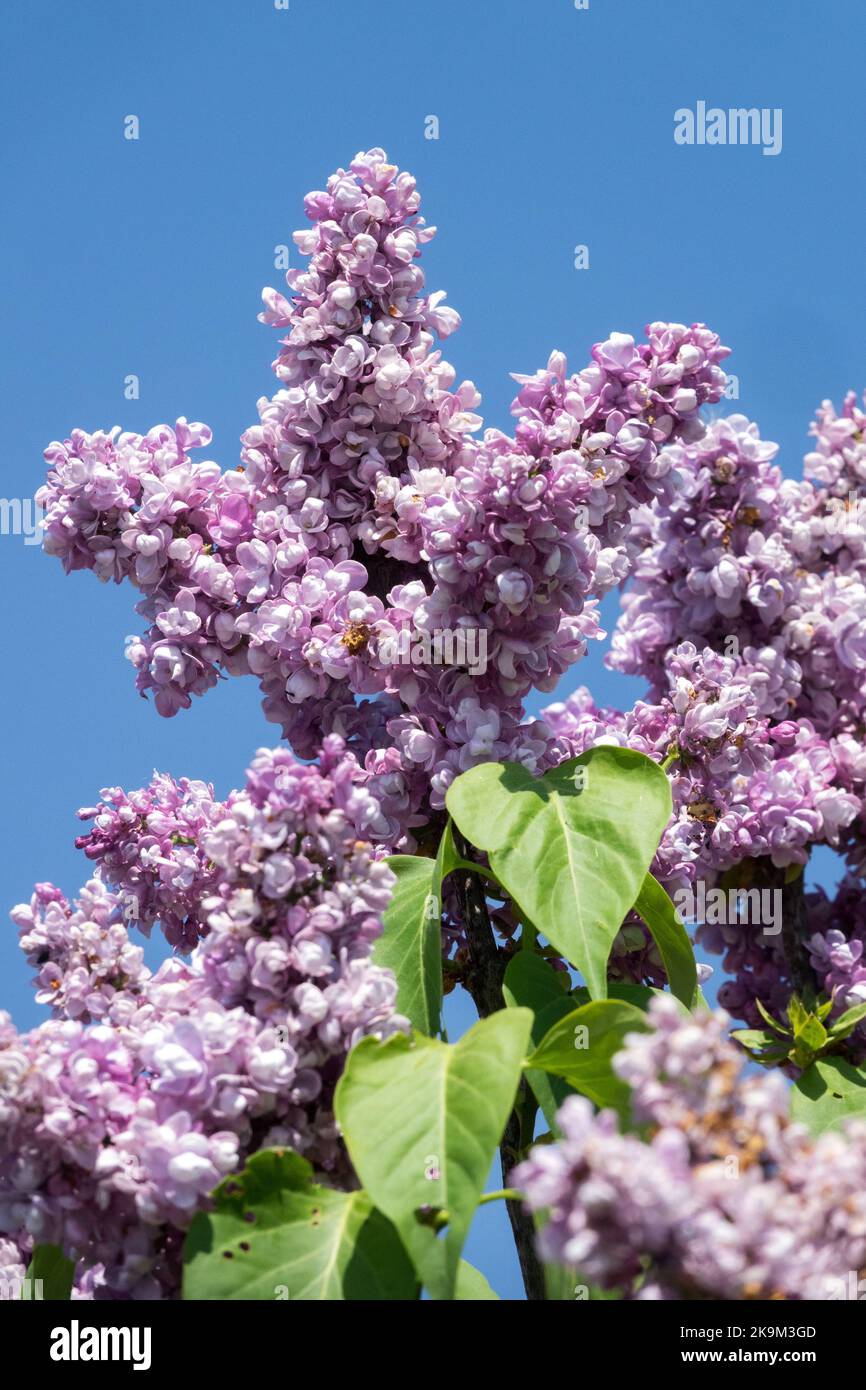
773	1056
812	1034
57	1273
531	983
422	1121
472	1287
847	1021
671	937
572	847
275	1234
773	1022
753	1037
411	940
797	1013
700	1000
447	857
828	1094
580	1047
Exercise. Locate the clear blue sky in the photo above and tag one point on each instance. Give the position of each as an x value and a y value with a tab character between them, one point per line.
148	257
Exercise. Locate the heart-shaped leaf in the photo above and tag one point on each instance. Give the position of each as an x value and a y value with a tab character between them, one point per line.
422	1120
572	847
275	1234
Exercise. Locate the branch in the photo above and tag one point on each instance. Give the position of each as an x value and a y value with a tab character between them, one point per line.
486	968
484	982
795	931
762	873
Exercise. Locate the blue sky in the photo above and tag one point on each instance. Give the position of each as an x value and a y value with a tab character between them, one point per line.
556	129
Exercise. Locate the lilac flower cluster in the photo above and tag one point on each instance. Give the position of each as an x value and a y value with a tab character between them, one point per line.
723	1199
138	507
364	509
112	1135
757	967
771	572
120	1115
768	571
711	562
148	843
82	954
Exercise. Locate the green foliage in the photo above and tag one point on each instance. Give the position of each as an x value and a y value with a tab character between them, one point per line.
422	1120
411	940
531	983
276	1234
472	1287
572	848
803	1038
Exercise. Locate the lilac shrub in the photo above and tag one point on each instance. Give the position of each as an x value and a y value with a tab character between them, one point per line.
370	510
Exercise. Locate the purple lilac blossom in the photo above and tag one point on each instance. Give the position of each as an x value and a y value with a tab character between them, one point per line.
120	1114
364	508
